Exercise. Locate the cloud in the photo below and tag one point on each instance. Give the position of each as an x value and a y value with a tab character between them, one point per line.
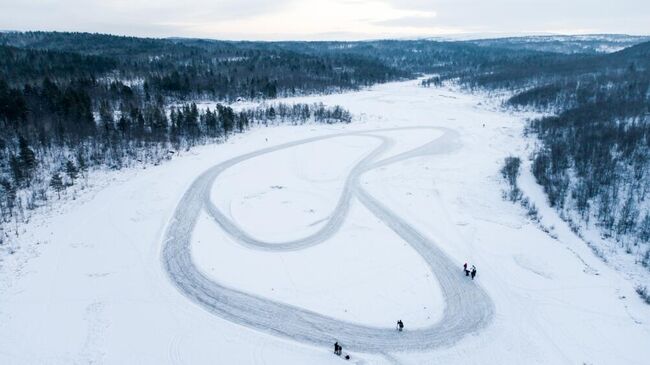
515	16
426	21
134	17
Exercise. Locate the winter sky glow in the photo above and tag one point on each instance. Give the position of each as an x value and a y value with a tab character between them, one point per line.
326	19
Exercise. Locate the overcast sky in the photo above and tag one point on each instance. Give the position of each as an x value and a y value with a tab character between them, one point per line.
326	19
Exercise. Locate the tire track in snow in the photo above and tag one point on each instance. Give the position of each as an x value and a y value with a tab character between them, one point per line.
468	308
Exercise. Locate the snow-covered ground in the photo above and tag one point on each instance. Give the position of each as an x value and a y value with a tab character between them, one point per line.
94	289
288	195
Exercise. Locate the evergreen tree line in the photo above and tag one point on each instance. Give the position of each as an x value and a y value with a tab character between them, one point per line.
185	69
33	166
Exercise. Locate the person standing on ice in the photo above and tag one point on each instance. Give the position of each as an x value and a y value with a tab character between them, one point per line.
400	325
465	268
473	272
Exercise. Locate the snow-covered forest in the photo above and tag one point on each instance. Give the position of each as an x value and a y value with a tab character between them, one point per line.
74	101
64	114
594	155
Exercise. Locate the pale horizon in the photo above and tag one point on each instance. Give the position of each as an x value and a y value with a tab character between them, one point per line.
313	20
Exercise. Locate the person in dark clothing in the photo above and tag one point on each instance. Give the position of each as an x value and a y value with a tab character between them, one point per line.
473	272
337	348
400	325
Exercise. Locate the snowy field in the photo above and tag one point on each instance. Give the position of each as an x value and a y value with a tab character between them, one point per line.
97	286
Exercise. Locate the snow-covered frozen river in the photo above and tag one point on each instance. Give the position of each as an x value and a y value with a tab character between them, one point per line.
280	247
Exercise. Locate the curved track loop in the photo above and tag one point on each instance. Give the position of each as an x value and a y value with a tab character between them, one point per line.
468	308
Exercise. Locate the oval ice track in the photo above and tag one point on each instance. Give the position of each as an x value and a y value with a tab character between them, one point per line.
468	308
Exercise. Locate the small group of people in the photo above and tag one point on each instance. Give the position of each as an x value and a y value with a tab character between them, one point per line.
469	272
338	350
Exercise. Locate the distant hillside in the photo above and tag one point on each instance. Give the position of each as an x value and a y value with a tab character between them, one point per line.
594	156
569	44
196	69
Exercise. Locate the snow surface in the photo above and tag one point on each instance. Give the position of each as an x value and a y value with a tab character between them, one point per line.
94	289
289	196
467	309
299	185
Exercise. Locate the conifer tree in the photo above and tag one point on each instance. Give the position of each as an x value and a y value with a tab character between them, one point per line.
71	170
27	156
56	183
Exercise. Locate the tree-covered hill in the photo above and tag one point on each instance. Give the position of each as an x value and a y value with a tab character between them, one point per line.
594	157
202	69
